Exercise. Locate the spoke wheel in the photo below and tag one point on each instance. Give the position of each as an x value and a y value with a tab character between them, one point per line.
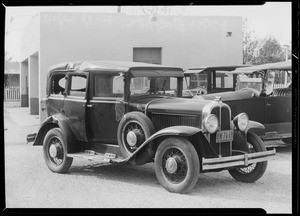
177	165
252	172
133	130
133	136
248	169
174	165
55	151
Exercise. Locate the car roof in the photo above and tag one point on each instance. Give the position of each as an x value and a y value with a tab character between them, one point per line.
213	68
112	66
286	65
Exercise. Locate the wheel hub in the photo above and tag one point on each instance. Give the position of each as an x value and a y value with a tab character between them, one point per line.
53	151
131	138
171	165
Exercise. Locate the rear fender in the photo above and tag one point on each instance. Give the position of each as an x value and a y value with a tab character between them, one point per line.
60	121
147	149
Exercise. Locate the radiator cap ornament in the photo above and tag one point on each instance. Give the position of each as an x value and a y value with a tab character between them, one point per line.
217	99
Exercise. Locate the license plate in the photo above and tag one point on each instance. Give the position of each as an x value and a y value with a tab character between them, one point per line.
224	136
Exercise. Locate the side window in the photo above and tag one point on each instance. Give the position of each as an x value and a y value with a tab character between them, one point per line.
102	86
118	86
108	86
78	85
224	81
58	82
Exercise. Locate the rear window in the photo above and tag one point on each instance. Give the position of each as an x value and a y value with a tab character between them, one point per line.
58	82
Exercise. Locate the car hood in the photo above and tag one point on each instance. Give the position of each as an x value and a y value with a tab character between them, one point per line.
229	96
171	105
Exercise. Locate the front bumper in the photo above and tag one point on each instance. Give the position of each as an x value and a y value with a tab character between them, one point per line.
237	160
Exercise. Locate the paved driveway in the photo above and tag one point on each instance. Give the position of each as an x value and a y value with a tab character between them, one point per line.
30	184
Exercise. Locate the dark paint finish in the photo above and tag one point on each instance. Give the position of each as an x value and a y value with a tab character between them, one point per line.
274	111
94	120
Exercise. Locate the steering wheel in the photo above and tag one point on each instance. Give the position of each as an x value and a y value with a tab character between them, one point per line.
155	91
201	91
160	89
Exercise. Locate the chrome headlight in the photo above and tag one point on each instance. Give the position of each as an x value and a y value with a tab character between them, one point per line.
211	123
241	121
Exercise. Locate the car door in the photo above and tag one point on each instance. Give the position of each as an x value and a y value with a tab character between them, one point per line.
278	106
104	108
278	114
75	103
254	107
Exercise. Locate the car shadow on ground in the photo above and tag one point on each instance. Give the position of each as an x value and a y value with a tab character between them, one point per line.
139	175
207	183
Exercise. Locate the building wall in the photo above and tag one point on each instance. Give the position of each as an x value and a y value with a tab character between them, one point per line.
30	41
185	41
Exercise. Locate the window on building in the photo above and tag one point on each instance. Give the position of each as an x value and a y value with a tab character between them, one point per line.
58	82
78	85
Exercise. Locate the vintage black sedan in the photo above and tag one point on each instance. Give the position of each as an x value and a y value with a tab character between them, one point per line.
127	112
264	93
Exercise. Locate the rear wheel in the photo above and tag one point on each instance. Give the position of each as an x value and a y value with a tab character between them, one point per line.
252	172
55	151
177	165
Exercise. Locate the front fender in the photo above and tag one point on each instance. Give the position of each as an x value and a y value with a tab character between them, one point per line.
254	124
169	131
56	120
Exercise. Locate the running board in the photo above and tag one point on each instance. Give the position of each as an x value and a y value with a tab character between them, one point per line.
97	157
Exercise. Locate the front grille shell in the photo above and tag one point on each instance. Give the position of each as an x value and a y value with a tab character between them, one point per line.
223	113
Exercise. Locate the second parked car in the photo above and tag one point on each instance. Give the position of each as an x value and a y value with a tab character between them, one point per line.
263	92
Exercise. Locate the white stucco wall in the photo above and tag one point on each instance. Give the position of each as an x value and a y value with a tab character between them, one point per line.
30	41
185	41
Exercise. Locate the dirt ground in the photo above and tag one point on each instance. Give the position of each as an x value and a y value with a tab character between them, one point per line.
30	184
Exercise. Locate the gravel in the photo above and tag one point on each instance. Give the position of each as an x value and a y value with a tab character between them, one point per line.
30	184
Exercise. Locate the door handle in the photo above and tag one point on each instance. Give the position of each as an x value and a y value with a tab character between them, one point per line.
89	105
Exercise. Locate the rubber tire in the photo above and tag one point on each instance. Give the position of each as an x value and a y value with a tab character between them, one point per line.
144	122
67	161
192	158
260	168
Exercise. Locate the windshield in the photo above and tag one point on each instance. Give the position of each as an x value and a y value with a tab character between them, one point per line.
197	80
153	85
254	82
272	80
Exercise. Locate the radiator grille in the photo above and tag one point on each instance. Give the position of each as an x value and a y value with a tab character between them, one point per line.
223	115
161	121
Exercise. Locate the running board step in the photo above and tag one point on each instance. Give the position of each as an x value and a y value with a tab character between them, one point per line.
98	157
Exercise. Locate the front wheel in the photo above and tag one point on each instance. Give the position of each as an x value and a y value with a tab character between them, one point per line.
177	165
55	151
252	172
